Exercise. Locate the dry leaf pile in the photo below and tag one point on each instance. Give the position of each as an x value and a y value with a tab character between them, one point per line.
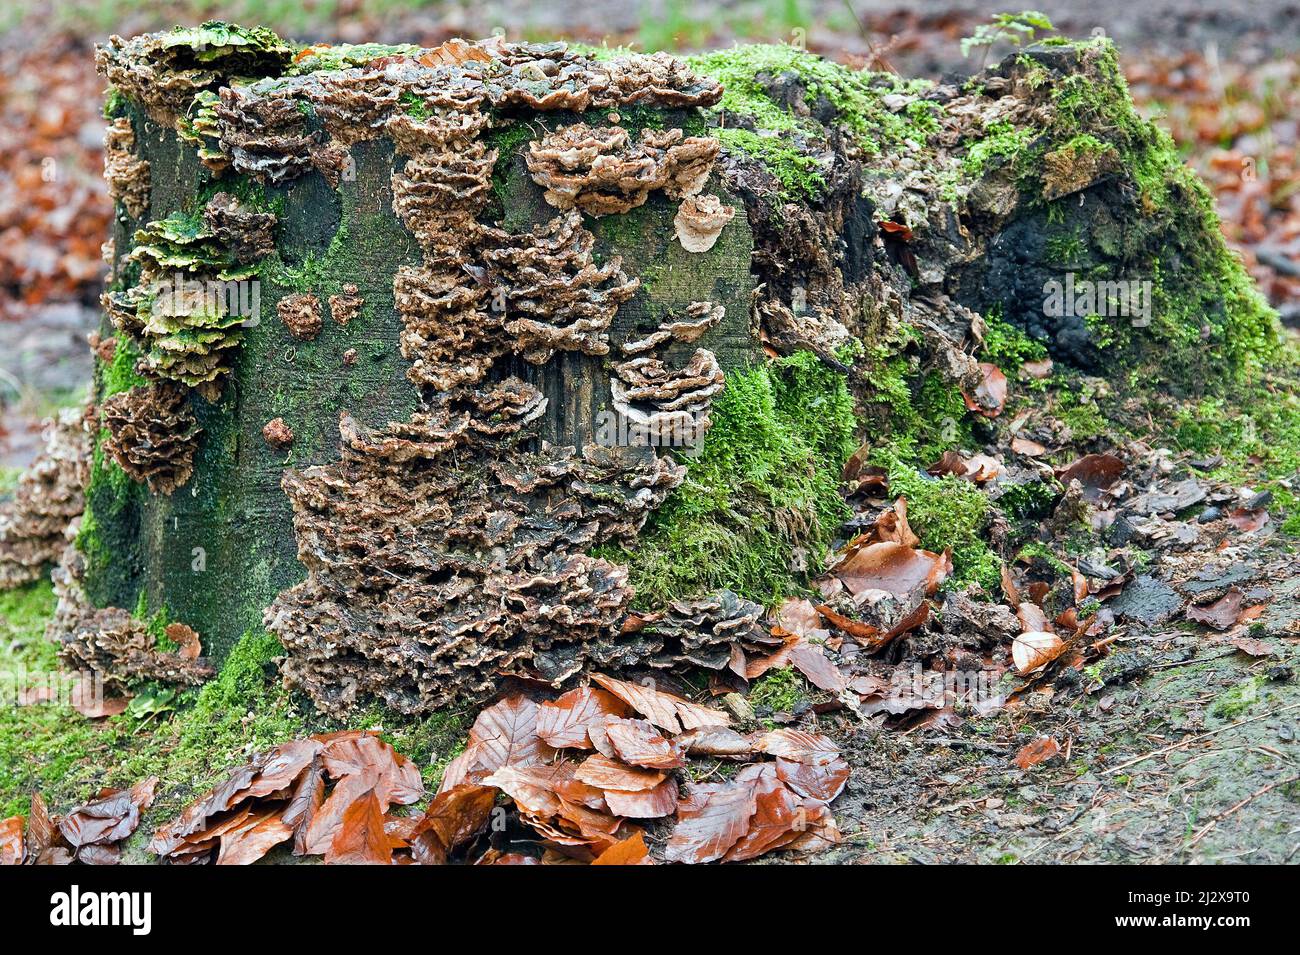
91	834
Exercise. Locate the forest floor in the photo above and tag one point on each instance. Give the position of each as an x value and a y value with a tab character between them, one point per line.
1176	739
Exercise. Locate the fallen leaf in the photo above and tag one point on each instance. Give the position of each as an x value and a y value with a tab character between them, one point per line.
638	743
1095	472
253	839
631	851
715	741
644	804
564	722
990	395
664	710
1221	614
1034	650
1252	646
892	567
605	773
1035	752
710	820
453	818
361	838
1247	521
392	777
1030	449
809	660
11	841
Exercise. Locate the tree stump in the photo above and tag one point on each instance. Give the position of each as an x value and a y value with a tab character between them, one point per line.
404	347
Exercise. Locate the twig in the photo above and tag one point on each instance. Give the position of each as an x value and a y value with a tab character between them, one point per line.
1231	809
1192	739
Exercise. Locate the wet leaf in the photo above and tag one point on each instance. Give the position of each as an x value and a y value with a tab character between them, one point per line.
631	851
638	743
254	837
11	841
716	741
605	773
564	722
652	803
1035	752
1095	472
1221	614
453	818
710	820
1034	650
664	710
361	838
990	395
894	568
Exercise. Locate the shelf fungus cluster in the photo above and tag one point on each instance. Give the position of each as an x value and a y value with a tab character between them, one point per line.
49	498
152	434
441	552
186	314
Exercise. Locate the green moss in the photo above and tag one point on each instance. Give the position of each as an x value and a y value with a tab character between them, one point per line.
801	176
999	141
119	374
778	691
774	133
760	502
1233	704
856	96
946	513
1007	346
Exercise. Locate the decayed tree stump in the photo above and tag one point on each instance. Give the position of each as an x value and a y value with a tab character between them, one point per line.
477	269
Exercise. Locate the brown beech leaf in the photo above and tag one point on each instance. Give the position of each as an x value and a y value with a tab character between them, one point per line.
564	722
990	395
799	745
453	818
393	777
1095	472
11	841
1032	618
716	741
1030	449
894	568
110	818
605	773
809	660
710	820
817	781
506	734
1038	369
43	837
797	616
631	851
95	705
1251	646
652	803
186	639
892	525
326	821
308	797
778	814
1221	614
1036	751
638	743
1035	649
664	710
1247	521
361	838
254	837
